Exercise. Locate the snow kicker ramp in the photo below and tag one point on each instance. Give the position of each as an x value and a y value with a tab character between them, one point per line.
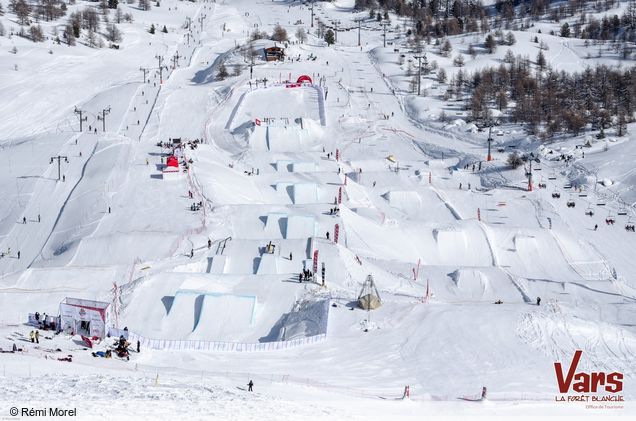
208	316
458	244
304	193
224	316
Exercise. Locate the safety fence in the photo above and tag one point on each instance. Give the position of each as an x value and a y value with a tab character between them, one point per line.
216	346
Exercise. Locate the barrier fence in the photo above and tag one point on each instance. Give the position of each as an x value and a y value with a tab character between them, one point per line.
218	346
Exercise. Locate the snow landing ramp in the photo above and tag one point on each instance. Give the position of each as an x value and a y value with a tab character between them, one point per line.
279	138
208	315
304	193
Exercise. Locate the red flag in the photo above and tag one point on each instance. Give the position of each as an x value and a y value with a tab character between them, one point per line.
258	122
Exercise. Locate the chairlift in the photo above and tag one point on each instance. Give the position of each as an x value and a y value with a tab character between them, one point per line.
571	203
589	211
622	210
611	219
567	186
552	176
542	184
600	204
629	226
556	194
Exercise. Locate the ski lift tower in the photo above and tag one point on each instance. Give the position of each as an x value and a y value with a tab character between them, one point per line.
530	177
489	157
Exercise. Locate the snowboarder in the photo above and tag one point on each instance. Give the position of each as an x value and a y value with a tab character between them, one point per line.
290	256
538	301
37	336
109	209
595	227
18	254
38	217
64	178
374	184
468	186
32	336
138	346
250	385
300	278
95	130
209	243
460	186
327	235
191	253
24	219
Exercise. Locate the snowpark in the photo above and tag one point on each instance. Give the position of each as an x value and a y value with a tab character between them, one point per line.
343	174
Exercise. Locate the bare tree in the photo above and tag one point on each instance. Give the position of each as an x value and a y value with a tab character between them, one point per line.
279	34
113	34
301	35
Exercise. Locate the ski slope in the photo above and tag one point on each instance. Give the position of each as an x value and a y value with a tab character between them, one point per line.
278	171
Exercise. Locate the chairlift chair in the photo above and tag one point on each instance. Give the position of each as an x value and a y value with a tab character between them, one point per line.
556	194
542	184
611	219
571	203
622	210
589	211
552	176
629	226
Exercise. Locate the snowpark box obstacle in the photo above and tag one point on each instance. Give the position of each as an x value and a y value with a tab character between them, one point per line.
85	317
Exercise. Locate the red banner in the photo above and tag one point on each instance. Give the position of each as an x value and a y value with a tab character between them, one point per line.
336	233
315	261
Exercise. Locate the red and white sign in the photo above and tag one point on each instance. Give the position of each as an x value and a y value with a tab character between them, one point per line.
315	261
336	233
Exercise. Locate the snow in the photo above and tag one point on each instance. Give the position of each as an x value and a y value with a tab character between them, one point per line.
116	231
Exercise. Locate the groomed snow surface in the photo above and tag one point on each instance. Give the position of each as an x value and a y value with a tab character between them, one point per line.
409	199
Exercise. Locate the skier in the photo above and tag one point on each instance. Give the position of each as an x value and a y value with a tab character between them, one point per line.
460	186
468	186
24	219
374	184
109	209
18	254
327	235
209	243
250	385
595	227
191	253
38	217
538	301
138	346
32	336
37	336
95	130
290	256
64	178
300	278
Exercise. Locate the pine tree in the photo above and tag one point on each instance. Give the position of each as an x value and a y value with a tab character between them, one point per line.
222	72
164	30
152	28
144	5
541	60
330	37
69	35
490	44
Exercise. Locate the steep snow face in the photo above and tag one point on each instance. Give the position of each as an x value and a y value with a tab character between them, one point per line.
350	174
